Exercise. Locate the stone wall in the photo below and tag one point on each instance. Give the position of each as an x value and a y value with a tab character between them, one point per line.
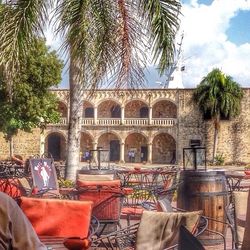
24	144
234	134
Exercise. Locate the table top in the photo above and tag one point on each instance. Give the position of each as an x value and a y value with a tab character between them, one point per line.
51	242
237	174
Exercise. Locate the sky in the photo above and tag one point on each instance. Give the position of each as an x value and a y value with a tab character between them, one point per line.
216	33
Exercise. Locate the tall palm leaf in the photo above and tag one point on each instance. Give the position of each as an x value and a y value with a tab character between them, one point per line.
105	39
20	22
217	95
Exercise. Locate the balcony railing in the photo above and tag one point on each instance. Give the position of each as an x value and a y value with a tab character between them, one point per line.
166	122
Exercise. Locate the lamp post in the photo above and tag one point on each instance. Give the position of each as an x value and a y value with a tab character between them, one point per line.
99	150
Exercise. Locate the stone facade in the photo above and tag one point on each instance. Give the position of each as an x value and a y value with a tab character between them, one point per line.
156	124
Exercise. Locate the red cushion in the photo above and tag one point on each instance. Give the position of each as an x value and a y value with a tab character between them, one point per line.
11	187
54	217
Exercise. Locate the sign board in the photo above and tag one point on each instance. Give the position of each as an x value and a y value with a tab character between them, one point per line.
43	173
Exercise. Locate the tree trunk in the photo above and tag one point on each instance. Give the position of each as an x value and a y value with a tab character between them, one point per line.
216	133
75	120
11	146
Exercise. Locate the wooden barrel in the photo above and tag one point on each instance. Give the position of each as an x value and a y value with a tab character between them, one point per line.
207	191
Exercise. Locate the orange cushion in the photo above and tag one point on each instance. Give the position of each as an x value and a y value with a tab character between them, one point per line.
112	183
132	210
54	217
11	187
105	195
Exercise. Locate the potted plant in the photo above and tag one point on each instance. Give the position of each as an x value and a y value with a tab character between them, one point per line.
247	169
65	186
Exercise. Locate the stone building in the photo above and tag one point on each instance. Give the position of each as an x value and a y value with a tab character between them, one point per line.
148	125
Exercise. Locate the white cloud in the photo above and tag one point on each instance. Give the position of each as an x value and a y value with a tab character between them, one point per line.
206	44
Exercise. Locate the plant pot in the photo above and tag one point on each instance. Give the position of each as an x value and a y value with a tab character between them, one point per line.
247	172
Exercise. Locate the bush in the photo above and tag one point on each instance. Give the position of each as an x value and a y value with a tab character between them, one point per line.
66	183
219	160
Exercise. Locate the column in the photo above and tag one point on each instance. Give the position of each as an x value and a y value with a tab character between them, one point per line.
42	144
122	149
94	154
150	115
122	114
95	115
149	152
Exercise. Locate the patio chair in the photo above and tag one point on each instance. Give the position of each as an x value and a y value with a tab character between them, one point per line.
164	205
12	187
238	216
59	219
143	195
156	231
187	241
107	197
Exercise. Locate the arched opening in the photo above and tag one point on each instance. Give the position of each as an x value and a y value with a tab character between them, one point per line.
136	149
109	109
55	145
164	109
111	143
136	109
164	149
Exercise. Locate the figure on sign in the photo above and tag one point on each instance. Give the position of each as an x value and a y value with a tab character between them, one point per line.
44	172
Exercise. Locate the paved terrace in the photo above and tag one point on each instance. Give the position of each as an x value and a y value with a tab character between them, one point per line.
226	168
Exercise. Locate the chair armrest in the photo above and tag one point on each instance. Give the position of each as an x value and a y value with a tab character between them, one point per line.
94	226
123	238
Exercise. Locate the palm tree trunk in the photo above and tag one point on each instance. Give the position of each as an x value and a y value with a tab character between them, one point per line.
216	134
75	120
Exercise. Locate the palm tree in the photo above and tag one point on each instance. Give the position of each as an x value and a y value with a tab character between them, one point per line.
105	39
218	95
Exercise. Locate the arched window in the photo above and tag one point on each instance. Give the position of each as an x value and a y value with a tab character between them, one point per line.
144	112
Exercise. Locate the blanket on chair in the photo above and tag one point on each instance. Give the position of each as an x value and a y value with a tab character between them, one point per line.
159	230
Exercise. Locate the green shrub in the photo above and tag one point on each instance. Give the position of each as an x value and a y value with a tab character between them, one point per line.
65	183
219	159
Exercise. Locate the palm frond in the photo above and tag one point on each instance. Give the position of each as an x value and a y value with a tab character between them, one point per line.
218	94
103	36
20	22
162	19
